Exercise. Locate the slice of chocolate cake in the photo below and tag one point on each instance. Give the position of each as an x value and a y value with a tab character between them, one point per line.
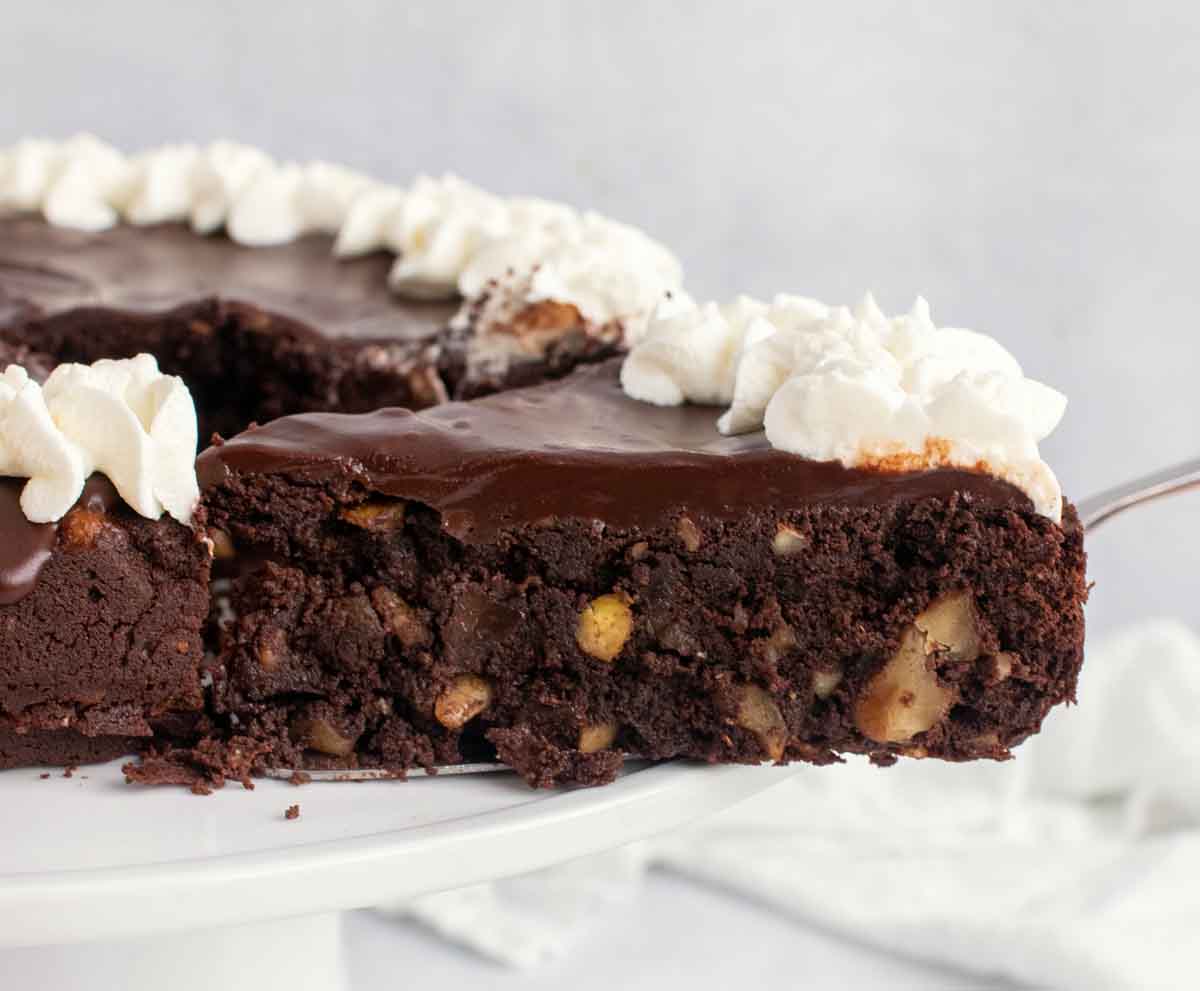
567	575
102	597
100	623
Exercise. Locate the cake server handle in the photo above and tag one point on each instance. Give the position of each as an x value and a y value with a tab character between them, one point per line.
1105	505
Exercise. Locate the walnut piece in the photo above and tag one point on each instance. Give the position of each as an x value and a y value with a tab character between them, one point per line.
467	696
825	683
222	545
321	735
400	619
904	697
597	736
604	625
758	713
426	386
272	648
383	515
80	527
782	639
788	541
1002	666
950	624
545	317
689	533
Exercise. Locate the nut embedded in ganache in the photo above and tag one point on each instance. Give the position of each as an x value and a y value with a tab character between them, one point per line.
378	514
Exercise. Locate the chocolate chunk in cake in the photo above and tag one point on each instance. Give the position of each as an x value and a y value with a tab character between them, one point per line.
560	575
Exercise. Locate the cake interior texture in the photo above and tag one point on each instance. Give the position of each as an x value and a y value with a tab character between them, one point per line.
561	577
101	620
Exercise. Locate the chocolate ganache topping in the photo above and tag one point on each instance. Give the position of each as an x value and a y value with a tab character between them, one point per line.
46	270
575	448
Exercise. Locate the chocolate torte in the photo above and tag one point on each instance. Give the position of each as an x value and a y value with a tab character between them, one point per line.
464	529
566	575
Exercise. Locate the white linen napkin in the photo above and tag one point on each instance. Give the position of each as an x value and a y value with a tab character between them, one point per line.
1076	864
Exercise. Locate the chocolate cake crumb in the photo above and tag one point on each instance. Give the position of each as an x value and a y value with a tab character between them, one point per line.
299	778
292	812
203	765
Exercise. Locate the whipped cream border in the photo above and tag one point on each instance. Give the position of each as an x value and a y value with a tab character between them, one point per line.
852	385
451	238
122	418
829	383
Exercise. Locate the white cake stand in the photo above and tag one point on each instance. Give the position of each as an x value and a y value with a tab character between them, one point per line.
103	885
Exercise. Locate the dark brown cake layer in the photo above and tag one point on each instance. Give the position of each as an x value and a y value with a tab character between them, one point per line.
60	748
100	624
257	332
561	575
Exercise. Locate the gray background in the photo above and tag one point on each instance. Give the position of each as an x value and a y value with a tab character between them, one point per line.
1029	167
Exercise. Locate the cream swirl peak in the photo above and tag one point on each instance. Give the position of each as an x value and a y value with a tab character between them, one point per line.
124	419
451	237
855	386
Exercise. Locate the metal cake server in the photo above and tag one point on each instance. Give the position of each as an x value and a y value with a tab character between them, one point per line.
377	774
1093	511
1105	505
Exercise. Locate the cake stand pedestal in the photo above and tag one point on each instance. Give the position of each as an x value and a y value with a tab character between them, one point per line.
103	885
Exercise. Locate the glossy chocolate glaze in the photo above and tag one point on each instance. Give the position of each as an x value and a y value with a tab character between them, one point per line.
25	548
575	448
52	270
